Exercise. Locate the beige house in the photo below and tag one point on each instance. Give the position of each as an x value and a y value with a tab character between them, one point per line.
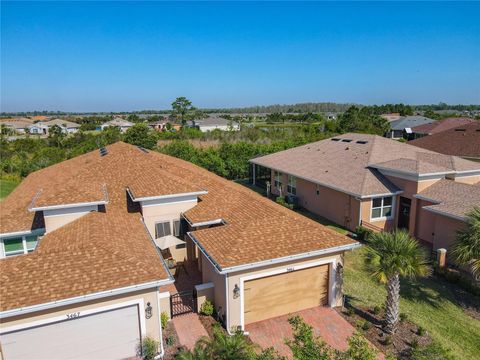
95	248
367	180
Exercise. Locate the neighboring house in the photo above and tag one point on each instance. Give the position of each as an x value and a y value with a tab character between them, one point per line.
38	129
368	180
122	124
161	125
87	242
213	123
19	125
391	116
439	126
404	125
463	141
68	127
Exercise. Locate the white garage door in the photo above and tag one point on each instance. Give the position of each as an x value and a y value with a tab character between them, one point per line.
113	334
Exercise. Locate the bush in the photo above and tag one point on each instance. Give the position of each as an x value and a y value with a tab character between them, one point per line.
363	233
207	308
363	325
359	349
403	317
148	348
387	340
421	331
164	319
414	344
349	311
376	310
170	340
281	200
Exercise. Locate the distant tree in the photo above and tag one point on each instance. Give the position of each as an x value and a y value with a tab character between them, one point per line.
134	118
467	249
141	135
181	106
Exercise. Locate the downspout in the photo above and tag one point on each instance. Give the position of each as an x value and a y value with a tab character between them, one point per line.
162	350
227	317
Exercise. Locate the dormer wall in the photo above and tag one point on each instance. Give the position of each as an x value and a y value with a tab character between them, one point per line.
57	218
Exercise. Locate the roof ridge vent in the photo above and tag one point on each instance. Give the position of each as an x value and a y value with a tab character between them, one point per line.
141	148
103	151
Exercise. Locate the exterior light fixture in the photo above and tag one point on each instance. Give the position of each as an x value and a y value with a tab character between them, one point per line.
236	292
148	311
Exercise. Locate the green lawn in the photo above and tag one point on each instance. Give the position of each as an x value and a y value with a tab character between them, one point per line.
6	187
431	303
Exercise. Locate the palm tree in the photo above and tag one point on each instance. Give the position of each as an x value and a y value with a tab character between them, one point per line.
389	257
467	250
221	347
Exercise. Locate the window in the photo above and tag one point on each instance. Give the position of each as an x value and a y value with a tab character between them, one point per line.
20	245
277	179
179	227
162	229
382	207
292	185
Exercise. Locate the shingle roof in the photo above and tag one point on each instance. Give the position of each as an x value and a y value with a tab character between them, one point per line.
110	249
118	122
460	141
409	122
350	166
61	122
441	125
452	198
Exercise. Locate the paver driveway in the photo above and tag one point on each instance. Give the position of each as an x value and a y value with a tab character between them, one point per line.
325	321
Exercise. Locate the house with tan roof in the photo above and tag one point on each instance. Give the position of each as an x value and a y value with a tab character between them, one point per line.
381	184
118	122
439	126
95	248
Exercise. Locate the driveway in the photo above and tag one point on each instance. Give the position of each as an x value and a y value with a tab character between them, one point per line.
326	323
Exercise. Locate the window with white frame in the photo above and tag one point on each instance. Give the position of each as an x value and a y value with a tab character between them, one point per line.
162	229
277	176
19	245
382	207
292	185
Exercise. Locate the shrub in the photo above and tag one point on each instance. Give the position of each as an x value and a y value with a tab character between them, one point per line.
421	331
148	348
377	309
350	311
403	317
170	340
363	233
281	200
207	308
359	349
363	325
387	340
414	344
164	319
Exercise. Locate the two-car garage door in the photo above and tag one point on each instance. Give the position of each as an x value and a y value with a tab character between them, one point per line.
112	334
285	293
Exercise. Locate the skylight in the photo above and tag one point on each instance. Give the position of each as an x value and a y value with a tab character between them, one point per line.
362	142
335	139
346	140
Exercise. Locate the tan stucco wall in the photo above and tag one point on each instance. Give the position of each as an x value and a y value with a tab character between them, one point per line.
425	222
333	205
366	208
156	213
55	219
149	295
210	275
445	232
234	305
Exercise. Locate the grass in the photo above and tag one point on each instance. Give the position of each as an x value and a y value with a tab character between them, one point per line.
6	187
430	303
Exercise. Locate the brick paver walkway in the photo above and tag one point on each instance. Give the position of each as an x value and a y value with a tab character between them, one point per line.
325	321
189	329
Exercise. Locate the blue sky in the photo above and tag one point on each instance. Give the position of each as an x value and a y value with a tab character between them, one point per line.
129	56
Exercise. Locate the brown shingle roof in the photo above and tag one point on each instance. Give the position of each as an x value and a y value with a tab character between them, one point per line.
350	166
460	141
111	249
452	198
441	125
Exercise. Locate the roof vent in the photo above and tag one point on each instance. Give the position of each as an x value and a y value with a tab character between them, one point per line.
335	139
346	140
142	149
362	142
103	151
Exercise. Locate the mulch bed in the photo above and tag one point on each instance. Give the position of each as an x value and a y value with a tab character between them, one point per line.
400	343
209	323
170	337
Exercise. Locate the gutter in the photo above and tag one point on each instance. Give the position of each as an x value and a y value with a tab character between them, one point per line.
436	211
82	298
21	233
160	197
279	260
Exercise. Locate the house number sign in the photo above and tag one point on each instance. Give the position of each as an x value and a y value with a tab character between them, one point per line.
74	315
